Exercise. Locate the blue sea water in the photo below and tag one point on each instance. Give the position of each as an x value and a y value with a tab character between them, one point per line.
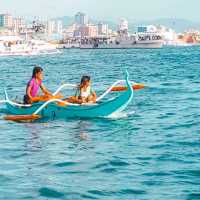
152	151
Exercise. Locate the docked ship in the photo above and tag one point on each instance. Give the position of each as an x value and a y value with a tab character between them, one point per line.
123	41
144	38
16	46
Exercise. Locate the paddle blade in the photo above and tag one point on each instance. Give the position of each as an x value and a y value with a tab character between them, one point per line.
137	86
22	118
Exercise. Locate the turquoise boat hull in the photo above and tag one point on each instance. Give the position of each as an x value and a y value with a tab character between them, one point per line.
101	109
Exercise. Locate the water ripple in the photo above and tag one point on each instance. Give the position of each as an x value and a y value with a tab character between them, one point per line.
151	151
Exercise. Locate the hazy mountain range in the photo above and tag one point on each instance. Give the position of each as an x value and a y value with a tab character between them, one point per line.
178	25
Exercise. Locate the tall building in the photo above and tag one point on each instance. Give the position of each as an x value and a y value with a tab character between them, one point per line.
18	23
70	31
88	31
54	27
1	20
6	21
102	29
58	27
50	27
81	19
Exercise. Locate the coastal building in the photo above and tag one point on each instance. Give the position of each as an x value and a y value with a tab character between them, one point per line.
89	30
69	31
77	33
58	29
6	21
54	27
102	29
18	24
1	20
50	27
81	19
191	37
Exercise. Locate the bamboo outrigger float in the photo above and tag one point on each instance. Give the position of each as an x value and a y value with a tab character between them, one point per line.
57	108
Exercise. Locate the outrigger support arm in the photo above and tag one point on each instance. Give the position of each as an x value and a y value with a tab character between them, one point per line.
52	101
111	87
67	85
7	100
3	101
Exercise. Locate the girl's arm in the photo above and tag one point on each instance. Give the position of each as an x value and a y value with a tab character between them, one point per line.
44	90
94	95
28	93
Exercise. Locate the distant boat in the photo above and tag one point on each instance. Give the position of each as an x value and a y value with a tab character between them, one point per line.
16	46
123	41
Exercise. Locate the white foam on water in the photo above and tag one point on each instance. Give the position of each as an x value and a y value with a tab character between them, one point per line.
121	115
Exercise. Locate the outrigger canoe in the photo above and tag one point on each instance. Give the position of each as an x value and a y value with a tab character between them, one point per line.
57	108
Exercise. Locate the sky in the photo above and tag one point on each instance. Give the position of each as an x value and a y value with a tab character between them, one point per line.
104	9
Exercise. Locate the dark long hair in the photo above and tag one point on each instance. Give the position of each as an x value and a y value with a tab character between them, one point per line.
84	79
36	70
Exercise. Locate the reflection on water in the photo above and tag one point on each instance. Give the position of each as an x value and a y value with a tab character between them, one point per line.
34	141
83	127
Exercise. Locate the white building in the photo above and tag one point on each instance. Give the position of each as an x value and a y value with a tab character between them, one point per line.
102	29
6	20
58	27
18	23
69	31
89	30
50	27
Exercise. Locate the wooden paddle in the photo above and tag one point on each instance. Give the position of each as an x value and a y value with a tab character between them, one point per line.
137	86
22	118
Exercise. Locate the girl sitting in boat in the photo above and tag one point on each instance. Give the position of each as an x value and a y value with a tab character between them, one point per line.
84	93
33	87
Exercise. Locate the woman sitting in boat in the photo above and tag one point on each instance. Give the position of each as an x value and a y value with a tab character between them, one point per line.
33	87
84	93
